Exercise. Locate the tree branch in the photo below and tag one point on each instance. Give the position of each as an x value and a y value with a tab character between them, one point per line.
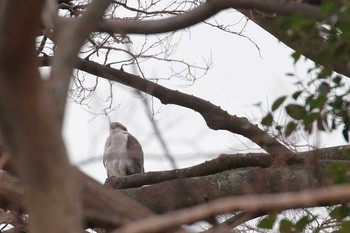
222	163
107	208
28	126
310	50
66	56
200	13
215	117
103	207
176	194
266	202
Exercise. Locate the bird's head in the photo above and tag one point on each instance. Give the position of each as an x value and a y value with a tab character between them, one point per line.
116	126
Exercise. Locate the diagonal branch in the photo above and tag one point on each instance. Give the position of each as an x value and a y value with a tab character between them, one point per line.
215	117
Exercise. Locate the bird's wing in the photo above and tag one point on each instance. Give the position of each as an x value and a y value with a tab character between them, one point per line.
133	166
107	144
134	147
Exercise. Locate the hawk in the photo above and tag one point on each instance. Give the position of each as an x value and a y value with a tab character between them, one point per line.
123	154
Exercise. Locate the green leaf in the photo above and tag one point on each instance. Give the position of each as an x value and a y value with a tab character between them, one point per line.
340	212
302	223
318	102
345	135
344	227
337	79
296	94
310	118
326	60
338	172
323	88
347	153
278	103
327	7
296	55
267	222
267	120
286	226
290	128
296	111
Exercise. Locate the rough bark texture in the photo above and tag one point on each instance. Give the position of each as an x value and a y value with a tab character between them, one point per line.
26	119
183	193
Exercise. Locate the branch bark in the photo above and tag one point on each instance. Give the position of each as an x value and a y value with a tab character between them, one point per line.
178	194
200	13
66	56
266	202
107	208
103	207
27	122
222	163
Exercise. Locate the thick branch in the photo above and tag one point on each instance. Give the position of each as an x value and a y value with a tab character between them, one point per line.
103	207
222	163
200	13
65	58
28	126
266	202
177	194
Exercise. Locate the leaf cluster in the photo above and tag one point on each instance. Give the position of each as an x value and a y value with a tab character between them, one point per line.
323	101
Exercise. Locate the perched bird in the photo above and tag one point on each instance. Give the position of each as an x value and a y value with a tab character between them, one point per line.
123	154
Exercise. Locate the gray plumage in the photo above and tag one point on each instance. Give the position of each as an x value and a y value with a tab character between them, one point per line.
123	154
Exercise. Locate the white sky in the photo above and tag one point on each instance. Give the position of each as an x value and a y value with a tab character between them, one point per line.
239	78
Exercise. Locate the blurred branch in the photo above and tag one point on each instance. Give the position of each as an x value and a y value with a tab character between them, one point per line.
28	127
265	202
310	50
201	13
103	207
66	57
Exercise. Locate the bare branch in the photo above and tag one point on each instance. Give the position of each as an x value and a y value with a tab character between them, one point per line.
190	18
